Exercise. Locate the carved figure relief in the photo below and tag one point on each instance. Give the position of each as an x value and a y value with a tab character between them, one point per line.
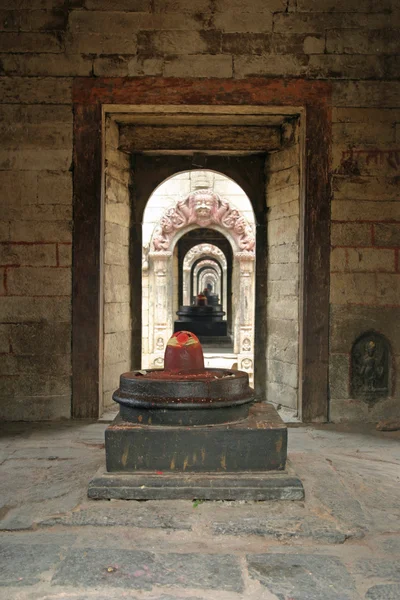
246	346
246	364
160	344
370	366
203	208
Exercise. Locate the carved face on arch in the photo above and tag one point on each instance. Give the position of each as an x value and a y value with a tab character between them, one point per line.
203	207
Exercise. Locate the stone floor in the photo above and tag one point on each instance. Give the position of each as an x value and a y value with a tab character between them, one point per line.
342	543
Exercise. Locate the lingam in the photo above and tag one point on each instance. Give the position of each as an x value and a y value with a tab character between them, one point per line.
204	318
186	431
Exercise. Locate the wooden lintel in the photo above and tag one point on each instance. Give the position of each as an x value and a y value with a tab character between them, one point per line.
140	138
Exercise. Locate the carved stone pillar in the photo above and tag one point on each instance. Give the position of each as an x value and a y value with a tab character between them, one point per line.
160	305
245	349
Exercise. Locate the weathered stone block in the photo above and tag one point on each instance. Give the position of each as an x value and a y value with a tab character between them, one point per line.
116	254
246	43
117	346
365	259
102	43
353	288
36	408
47	135
112	373
40	281
371	259
29	42
277	65
365	188
33	113
349	322
4	339
272	6
388	288
41	338
282	349
4	231
38	20
353	41
288	194
346	210
284	178
117	213
66	65
41	90
53	160
153	43
116	191
351	234
37	364
14	309
284	159
339	375
23	385
28	231
284	209
285	230
338	260
279	393
125	5
357	134
251	22
52	212
314	44
116	234
387	234
54	187
117	317
64	255
18	190
278	272
283	308
124	66
277	289
282	372
285	253
357	411
115	275
366	94
365	115
37	255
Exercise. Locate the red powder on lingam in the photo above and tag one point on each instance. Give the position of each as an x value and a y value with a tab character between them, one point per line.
183	353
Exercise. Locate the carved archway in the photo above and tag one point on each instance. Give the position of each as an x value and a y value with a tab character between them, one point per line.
202	208
192	257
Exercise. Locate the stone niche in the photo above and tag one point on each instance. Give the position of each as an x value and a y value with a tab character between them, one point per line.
371	367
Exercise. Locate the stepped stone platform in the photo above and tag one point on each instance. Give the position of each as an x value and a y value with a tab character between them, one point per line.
242	460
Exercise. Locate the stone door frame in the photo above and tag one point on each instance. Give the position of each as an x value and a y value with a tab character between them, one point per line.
95	97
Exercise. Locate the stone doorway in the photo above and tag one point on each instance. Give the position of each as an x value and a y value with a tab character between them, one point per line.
178	263
247	159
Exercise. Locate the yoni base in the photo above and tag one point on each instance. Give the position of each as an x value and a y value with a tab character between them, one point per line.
244	460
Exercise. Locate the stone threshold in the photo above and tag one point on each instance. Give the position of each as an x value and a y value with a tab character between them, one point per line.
150	485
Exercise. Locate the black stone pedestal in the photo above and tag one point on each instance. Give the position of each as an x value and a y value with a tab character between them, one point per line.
242	460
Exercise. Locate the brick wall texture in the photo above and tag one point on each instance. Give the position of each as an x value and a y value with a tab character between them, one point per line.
44	44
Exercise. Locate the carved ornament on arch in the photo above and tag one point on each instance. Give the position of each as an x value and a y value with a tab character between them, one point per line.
207	250
203	208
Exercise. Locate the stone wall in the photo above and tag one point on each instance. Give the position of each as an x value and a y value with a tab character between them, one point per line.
44	44
117	312
283	189
365	236
35	260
